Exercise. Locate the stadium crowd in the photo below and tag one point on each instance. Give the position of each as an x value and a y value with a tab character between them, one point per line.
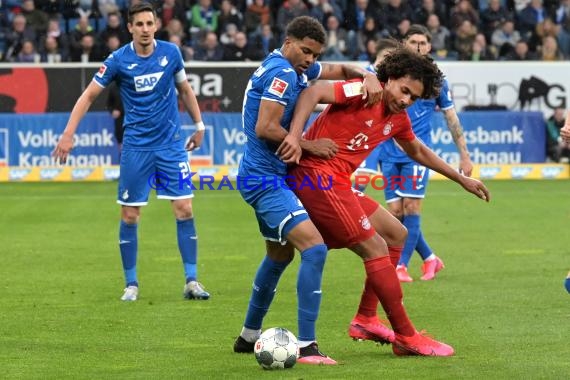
246	30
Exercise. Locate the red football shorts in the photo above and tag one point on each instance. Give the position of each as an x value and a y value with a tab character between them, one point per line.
339	212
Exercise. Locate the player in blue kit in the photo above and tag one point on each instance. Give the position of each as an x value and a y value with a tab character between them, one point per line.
148	73
269	101
404	198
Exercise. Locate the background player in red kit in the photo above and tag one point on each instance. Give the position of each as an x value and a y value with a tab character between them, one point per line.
350	219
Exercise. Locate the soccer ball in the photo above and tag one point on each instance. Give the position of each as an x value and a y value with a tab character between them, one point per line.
276	348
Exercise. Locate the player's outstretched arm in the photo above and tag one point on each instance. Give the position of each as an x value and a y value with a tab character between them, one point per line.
320	93
371	89
65	143
454	125
425	156
190	102
565	131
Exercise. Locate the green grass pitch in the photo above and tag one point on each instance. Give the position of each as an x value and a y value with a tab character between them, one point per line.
500	300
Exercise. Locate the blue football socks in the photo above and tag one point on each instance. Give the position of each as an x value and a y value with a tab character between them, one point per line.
412	223
264	287
128	245
188	246
309	290
422	247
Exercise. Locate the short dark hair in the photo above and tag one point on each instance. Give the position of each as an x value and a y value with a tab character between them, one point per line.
386	43
403	62
305	26
418	29
140	7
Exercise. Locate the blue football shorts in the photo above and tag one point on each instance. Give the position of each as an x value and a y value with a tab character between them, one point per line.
277	208
166	170
404	180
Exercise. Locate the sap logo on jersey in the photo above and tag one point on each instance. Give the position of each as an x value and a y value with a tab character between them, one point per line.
147	82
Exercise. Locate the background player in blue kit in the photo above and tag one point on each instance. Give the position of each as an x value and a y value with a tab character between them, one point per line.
148	73
270	99
404	199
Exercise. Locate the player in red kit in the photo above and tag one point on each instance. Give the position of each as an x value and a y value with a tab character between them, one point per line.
347	218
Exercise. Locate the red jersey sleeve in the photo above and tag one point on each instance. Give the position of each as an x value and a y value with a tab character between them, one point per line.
348	92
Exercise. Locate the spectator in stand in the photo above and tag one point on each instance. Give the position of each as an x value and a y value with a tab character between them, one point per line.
51	52
440	36
176	28
550	50
115	27
112	43
229	35
464	37
493	17
322	9
204	18
242	50
229	15
393	13
83	28
172	9
521	53
403	27
265	40
28	53
186	51
529	17
480	51
35	18
370	31
209	49
336	45
256	16
106	7
62	40
288	11
429	7
89	51
369	54
461	12
16	36
557	150
505	38
546	27
357	13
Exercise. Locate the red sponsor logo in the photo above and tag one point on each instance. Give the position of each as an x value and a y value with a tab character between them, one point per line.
278	87
101	71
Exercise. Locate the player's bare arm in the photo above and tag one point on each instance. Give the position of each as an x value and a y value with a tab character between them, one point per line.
425	156
565	130
454	125
371	89
65	143
190	102
319	93
268	126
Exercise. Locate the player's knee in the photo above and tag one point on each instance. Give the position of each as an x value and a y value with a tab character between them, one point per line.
130	215
183	210
401	234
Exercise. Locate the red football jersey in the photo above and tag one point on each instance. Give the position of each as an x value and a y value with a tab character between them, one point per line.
355	128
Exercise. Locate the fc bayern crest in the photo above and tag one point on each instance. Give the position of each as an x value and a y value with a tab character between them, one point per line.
387	128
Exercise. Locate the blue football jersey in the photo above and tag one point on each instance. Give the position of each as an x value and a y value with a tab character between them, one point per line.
420	114
275	80
148	90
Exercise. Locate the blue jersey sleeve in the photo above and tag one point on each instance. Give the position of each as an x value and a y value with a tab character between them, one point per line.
108	71
280	87
314	71
444	100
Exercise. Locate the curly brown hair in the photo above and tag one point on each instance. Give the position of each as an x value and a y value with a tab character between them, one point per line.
403	62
